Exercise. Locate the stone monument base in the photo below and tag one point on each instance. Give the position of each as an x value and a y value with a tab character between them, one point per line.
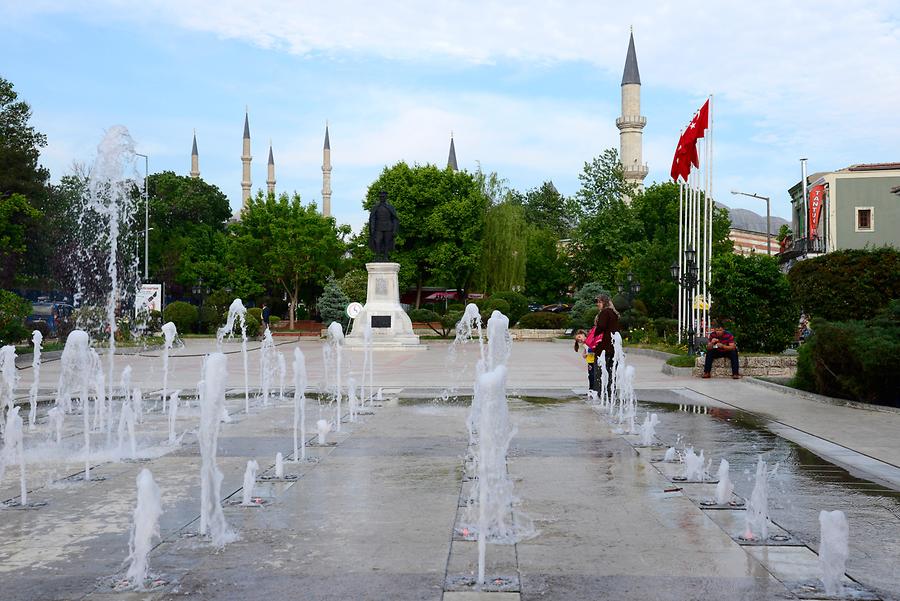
390	325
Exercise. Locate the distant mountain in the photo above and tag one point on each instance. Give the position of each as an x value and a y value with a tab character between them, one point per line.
745	219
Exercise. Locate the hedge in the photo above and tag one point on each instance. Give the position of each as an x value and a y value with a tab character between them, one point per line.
856	360
847	284
544	320
182	314
518	305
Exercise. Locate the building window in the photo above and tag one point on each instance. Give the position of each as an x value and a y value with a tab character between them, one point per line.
865	219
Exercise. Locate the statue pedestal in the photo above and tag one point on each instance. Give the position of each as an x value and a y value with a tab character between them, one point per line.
391	326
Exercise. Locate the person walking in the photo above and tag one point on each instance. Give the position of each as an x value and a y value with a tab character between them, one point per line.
266	312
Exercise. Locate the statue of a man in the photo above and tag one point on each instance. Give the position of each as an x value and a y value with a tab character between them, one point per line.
383	226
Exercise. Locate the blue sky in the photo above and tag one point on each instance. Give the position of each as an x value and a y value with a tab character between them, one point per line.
530	89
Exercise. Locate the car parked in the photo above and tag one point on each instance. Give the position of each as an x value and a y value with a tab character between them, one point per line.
557	308
52	319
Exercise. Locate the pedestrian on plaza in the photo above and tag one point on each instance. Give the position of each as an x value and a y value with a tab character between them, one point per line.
721	344
605	325
266	312
588	354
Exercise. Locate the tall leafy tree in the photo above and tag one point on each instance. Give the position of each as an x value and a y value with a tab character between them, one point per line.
602	184
20	148
503	248
547	276
288	245
188	240
18	222
441	215
546	208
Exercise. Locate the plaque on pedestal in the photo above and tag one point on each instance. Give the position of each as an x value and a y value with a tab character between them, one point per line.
390	325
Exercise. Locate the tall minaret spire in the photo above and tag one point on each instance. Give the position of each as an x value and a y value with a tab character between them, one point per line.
270	179
326	175
245	159
195	159
631	122
451	158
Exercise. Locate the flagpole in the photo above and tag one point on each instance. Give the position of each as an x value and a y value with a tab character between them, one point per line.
678	288
711	197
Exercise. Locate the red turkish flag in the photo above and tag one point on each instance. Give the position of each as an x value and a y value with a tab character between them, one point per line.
686	154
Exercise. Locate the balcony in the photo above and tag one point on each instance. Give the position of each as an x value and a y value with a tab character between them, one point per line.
801	248
631	122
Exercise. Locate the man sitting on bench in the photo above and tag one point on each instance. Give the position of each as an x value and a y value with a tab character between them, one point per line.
721	344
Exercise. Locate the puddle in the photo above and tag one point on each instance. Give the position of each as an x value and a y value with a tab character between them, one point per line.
803	485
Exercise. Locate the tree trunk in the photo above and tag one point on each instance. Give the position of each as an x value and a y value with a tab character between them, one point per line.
419	290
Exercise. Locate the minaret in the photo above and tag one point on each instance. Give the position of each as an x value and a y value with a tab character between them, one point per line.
326	175
631	122
195	159
270	179
451	158
245	159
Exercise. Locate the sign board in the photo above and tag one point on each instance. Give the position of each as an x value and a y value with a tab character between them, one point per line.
149	298
353	310
381	321
701	302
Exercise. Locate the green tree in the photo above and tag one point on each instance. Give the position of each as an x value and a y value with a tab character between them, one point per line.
547	276
18	222
288	245
441	215
503	248
355	284
188	242
332	304
602	183
20	148
546	208
650	256
13	311
754	298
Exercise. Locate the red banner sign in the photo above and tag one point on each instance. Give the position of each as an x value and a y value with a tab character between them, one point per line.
816	202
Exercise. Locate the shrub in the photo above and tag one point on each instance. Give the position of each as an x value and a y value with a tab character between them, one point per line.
453	307
858	360
632	320
423	315
663	328
753	297
489	305
847	284
584	320
13	311
518	305
182	314
210	319
544	320
154	321
273	321
621	302
255	312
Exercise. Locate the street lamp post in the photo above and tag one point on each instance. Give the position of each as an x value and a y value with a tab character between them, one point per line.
146	216
202	291
631	288
768	217
688	281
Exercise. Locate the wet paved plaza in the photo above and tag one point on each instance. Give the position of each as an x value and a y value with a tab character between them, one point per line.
373	517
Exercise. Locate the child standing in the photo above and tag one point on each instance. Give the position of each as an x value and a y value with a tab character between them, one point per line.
588	354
